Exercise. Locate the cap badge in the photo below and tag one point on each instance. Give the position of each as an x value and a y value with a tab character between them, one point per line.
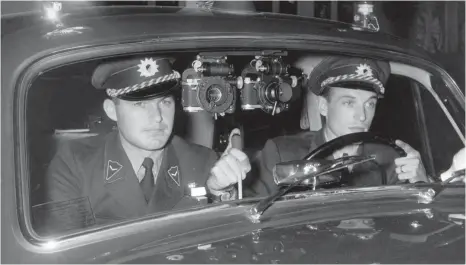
364	69
148	67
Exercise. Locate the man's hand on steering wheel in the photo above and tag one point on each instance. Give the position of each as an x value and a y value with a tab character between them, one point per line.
410	167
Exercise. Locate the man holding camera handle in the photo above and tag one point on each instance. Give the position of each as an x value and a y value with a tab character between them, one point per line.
141	168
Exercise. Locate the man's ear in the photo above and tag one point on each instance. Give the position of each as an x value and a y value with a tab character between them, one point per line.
323	106
110	109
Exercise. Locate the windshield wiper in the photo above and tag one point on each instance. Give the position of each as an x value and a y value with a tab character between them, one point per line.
298	171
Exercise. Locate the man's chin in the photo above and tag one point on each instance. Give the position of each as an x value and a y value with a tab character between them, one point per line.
156	144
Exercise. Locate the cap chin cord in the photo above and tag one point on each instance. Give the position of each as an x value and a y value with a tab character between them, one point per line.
118	92
166	88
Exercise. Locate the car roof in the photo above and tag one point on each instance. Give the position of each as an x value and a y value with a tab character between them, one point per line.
111	26
106	21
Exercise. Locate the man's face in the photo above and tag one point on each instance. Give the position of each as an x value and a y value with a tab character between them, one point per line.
348	110
147	124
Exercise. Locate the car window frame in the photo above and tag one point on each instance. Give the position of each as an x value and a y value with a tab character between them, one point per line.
425	81
426	152
29	70
424	77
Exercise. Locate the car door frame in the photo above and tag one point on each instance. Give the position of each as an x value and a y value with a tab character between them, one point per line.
29	69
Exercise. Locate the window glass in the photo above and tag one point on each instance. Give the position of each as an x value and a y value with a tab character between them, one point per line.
69	127
62	107
398	122
443	139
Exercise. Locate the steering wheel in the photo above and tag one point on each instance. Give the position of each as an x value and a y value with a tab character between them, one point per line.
328	148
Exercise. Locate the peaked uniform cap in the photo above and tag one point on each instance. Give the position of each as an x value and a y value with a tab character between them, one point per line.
349	72
136	79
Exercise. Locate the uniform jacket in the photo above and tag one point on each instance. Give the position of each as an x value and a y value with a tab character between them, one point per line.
296	147
98	168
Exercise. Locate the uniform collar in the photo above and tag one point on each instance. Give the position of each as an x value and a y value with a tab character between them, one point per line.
136	158
320	137
120	179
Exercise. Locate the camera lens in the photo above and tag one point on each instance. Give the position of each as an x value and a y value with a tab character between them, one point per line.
214	94
286	93
272	92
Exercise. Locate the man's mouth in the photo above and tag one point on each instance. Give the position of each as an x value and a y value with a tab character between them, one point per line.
155	130
358	128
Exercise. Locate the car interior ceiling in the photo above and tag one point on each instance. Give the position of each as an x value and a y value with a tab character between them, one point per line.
64	99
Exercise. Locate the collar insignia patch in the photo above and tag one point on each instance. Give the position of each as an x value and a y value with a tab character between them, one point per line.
113	168
174	174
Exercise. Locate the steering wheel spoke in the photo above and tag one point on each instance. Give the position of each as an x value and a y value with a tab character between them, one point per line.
328	148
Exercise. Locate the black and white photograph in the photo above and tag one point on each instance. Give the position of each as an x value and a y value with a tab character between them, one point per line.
233	132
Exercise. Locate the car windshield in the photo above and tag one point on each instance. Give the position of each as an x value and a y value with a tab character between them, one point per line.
85	172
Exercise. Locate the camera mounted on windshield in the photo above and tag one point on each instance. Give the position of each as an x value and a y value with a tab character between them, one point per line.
266	83
209	85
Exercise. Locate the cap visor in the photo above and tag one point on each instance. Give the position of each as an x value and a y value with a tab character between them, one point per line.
155	91
357	84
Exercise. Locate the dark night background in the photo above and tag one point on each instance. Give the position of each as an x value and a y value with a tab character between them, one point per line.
437	26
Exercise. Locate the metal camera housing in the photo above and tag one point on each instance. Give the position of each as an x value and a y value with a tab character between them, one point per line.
189	91
268	86
274	94
209	86
216	95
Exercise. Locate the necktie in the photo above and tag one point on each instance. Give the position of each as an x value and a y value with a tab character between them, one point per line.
147	183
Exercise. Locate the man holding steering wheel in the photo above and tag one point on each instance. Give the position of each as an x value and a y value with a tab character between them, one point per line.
345	91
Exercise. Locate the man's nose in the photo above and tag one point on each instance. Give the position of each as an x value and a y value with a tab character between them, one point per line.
155	112
360	114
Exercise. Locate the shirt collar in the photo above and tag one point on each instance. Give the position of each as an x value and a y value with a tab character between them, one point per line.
136	158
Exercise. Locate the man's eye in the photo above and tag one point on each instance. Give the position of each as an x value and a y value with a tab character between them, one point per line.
371	105
167	101
348	103
138	103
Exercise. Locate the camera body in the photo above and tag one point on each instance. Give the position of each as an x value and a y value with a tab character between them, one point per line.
209	86
266	83
190	80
